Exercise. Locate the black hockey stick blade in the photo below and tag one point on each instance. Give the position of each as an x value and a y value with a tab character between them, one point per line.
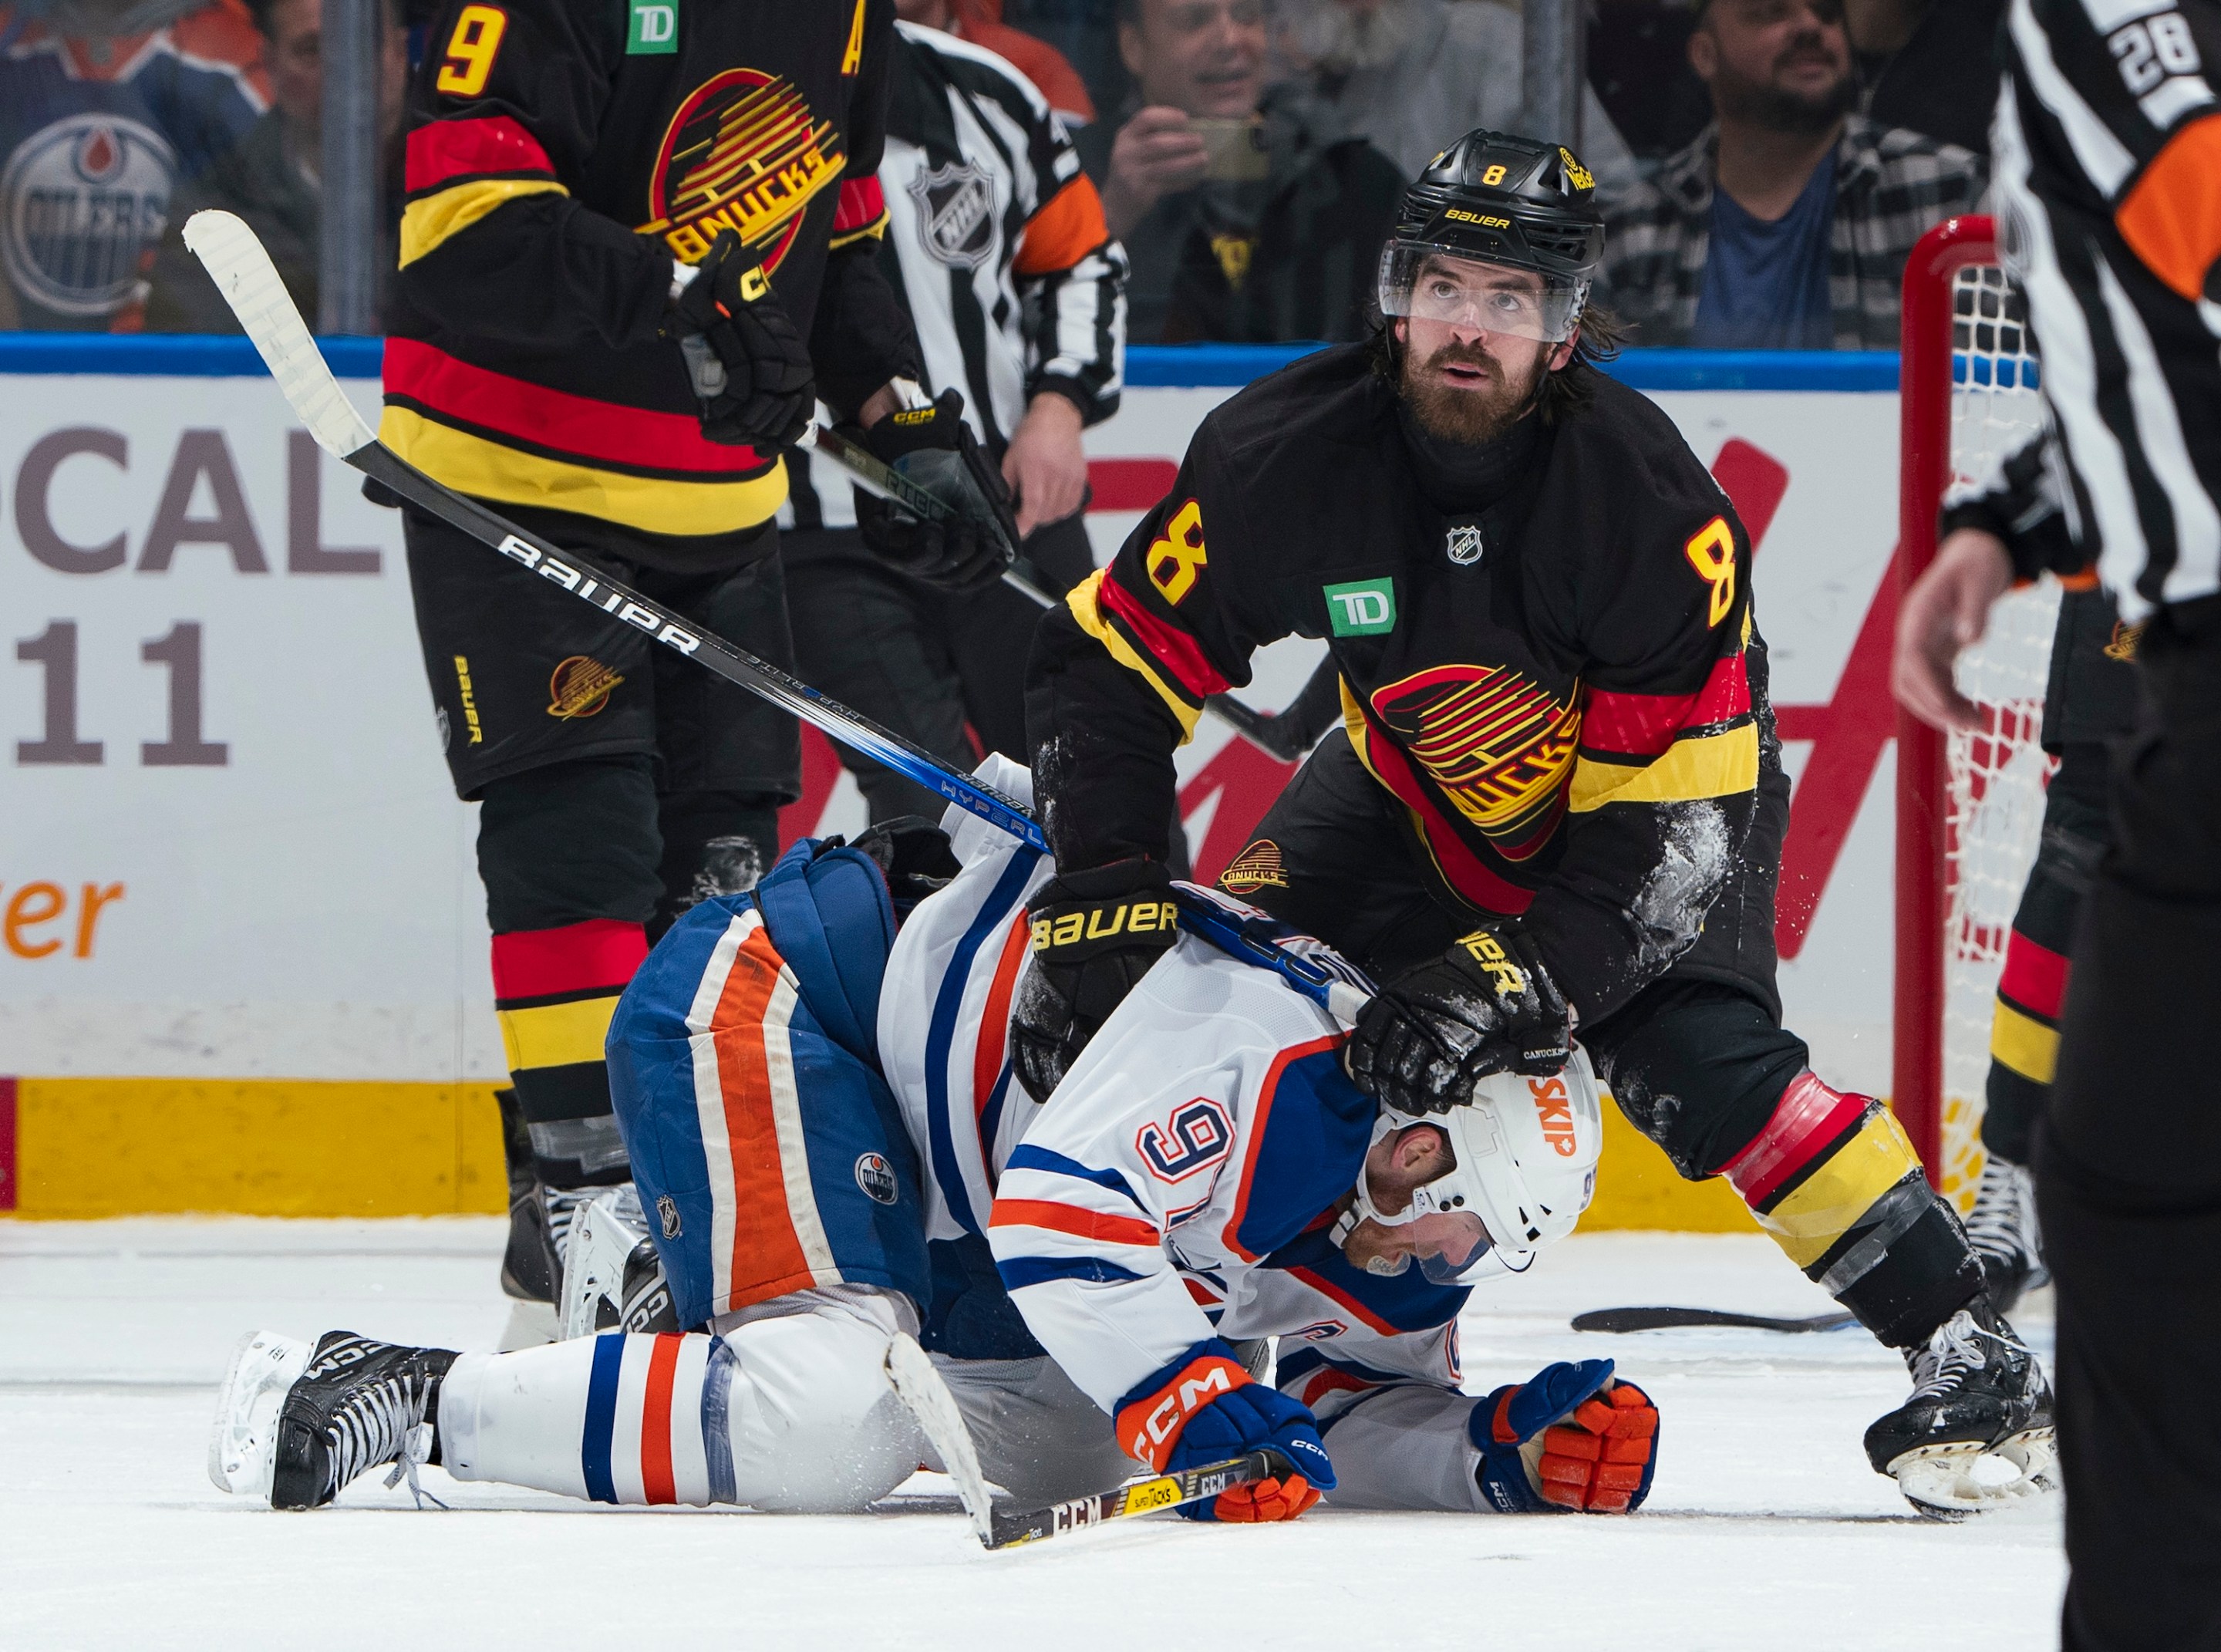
1008	1529
249	283
1628	1319
882	480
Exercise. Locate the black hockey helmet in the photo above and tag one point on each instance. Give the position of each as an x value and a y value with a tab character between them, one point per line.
1494	198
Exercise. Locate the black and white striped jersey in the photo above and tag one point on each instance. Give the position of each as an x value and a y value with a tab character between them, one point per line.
995	241
2107	143
1014	283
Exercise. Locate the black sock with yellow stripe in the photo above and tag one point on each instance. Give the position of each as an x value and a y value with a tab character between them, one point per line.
1834	1180
555	991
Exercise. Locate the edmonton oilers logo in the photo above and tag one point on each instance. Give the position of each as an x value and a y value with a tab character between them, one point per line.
85	197
877	1178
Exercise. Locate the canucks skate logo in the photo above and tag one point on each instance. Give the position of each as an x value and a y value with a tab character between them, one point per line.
957	214
742	154
1498	747
84	197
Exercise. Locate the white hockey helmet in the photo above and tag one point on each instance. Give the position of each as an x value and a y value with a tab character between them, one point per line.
1526	1151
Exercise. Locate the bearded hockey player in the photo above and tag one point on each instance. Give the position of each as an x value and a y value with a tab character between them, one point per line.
637	242
808	1096
1558	801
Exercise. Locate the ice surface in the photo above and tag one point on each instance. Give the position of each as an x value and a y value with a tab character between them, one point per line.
1765	1529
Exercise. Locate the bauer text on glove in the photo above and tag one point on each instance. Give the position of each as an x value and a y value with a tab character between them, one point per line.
1096	932
1485	1005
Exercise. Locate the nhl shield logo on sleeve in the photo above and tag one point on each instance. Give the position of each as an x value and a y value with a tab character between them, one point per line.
957	214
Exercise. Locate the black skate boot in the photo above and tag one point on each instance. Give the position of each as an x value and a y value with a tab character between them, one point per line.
2005	1234
1977	1431
356	1405
528	1266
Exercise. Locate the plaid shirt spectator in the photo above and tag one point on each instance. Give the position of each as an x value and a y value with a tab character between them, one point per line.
1891	186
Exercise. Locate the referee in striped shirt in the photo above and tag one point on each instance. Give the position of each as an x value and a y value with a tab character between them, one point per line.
2107	141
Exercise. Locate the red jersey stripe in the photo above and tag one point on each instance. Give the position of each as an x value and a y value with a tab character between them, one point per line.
995	1024
656	1481
2034	977
1462	869
1168	645
556	420
1075	1220
861	203
1644	725
444	150
577	958
1809	1117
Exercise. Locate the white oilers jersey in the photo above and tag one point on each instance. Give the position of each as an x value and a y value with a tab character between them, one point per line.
1179	1188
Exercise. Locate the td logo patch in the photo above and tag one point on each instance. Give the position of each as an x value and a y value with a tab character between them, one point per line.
877	1178
1361	607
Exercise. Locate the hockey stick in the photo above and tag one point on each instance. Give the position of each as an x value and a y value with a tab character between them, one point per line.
1630	1319
882	480
1010	1528
249	284
1201	915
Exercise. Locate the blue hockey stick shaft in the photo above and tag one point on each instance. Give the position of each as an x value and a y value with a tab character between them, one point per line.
1202	916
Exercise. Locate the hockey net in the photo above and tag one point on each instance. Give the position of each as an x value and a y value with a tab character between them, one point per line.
1980	809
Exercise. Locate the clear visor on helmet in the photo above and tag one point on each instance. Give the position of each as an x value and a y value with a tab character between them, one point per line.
1447	1245
1439	284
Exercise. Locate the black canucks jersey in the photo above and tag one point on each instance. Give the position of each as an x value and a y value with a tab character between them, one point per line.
562	154
1565	693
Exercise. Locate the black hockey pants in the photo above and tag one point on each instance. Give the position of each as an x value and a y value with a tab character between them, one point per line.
2129	1177
1699	1064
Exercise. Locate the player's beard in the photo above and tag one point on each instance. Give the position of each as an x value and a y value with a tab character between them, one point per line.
1479	416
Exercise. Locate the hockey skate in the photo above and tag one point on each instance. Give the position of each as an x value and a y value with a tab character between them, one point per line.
612	1276
2005	1234
296	1424
1977	1431
527	1265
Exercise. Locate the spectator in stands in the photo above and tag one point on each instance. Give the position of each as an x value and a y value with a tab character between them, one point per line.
269	178
1411	76
106	106
1786	225
1927	66
981	22
1247	217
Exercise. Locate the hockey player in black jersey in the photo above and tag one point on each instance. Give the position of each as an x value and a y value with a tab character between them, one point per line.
1558	804
636	241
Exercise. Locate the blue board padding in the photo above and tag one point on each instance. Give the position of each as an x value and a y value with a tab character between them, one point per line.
1152	365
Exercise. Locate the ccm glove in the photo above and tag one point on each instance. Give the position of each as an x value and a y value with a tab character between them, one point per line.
1570	1436
935	448
1485	1005
1095	933
750	366
1245	1416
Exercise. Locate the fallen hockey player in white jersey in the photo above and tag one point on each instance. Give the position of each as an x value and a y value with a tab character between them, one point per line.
828	1145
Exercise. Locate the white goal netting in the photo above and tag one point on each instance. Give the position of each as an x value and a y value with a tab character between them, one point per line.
1997	775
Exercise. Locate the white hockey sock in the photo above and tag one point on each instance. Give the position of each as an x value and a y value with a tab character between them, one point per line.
791	1413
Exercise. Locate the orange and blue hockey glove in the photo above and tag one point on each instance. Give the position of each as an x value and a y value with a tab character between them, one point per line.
1570	1437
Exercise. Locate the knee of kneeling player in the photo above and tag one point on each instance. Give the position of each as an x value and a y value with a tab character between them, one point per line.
811	1421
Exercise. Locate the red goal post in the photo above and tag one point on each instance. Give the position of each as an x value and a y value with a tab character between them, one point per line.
1969	807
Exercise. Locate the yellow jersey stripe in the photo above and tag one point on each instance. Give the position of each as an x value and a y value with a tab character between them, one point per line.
1835	1196
425	223
557	1034
1088	612
1709	766
489	470
2023	1043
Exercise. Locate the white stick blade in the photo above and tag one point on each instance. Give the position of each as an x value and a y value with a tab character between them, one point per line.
922	1388
248	281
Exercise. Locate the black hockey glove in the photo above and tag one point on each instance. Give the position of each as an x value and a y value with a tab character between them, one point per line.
1095	933
750	366
1484	1006
935	448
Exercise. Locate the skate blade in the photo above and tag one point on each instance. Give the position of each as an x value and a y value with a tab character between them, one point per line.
243	1441
1950	1482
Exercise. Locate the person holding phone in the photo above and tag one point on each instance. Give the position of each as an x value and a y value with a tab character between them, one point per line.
1245	215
